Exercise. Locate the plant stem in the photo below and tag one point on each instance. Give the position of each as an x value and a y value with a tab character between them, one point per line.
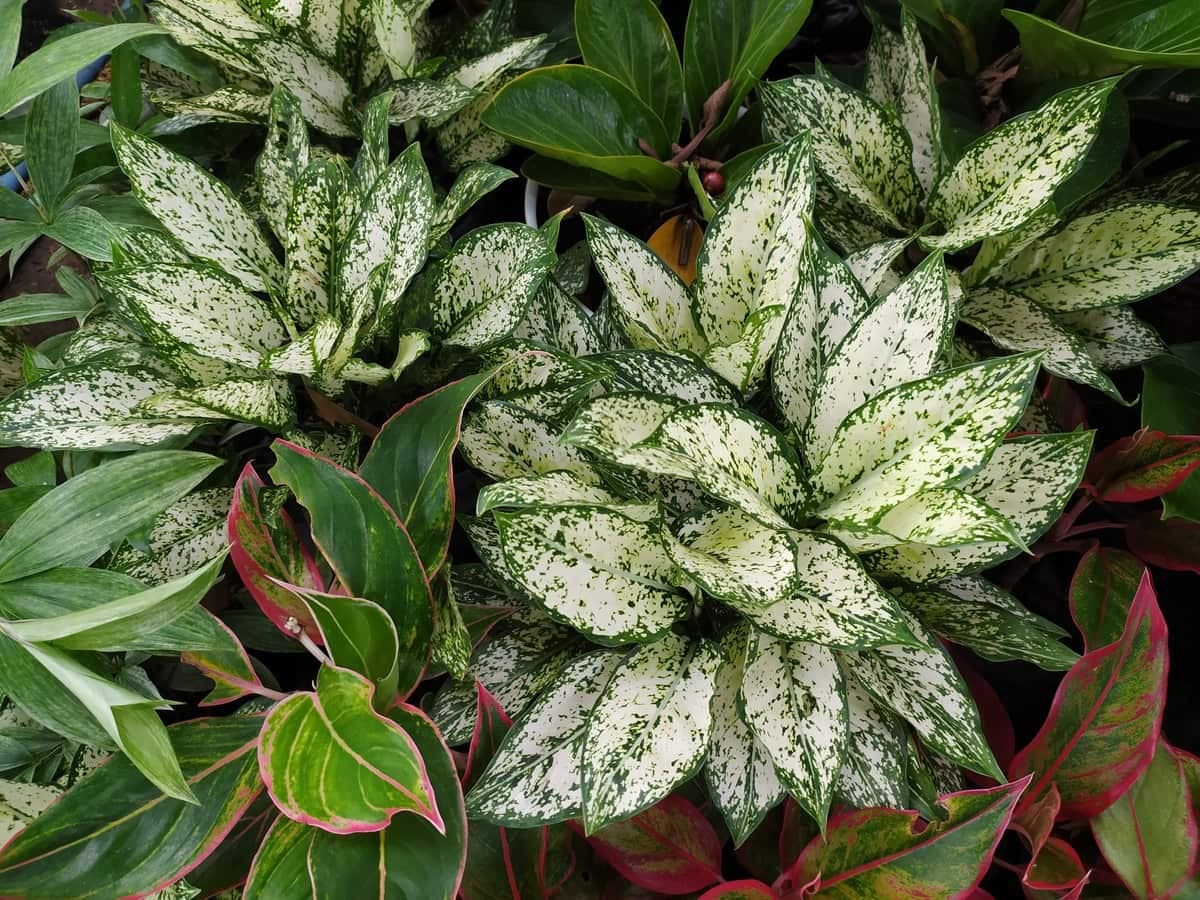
1067	521
307	643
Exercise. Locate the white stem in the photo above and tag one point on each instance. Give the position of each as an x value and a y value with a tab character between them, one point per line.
307	643
531	202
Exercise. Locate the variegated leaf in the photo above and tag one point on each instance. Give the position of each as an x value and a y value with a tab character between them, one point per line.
471	185
1003	178
506	442
197	209
938	517
596	570
873	771
921	684
921	435
464	139
999	250
266	402
835	603
1117	255
188	534
734	557
740	775
88	407
899	340
424	98
308	354
665	374
899	78
227	104
311	235
648	298
556	489
974	590
649	729
614	426
1114	336
558	320
397	27
487	281
534	778
794	699
1028	480
872	265
846	226
857	147
285	155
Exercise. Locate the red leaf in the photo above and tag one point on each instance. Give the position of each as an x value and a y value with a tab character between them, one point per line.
1145	465
1065	404
1105	718
1167	543
1102	591
746	889
798	831
670	848
1053	865
263	545
491	725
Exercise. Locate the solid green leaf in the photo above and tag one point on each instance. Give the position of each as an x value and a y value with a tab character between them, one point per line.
360	636
52	124
10	34
34	309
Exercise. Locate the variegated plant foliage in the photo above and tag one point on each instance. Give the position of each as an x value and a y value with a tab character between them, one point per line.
436	72
1047	277
734	538
206	322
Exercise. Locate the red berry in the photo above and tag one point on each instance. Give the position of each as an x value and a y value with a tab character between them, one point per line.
714	182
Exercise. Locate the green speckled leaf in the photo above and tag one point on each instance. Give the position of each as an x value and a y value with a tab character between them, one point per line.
794	699
534	778
311	235
598	571
1004	177
506	442
872	265
937	517
556	489
734	557
1114	336
999	250
858	148
649	729
873	771
472	184
613	427
187	534
465	140
423	98
308	354
266	402
558	320
665	374
285	155
197	209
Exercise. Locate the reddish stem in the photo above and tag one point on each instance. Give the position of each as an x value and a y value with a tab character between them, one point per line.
1064	525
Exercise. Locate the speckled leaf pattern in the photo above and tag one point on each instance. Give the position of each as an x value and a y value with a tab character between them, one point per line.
199	309
1028	480
556	489
370	769
1003	178
734	557
974	589
259	401
598	571
534	778
187	534
999	250
506	442
472	184
464	139
835	603
872	773
308	354
1117	255
649	729
899	340
558	320
872	264
487	281
197	209
649	300
921	685
285	155
88	407
920	435
1114	336
744	362
858	148
794	699
310	238
665	374
947	517
1016	323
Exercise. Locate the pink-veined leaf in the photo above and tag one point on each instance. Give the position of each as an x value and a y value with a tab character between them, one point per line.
1102	590
1142	466
872	853
745	889
1104	721
1167	543
670	848
264	546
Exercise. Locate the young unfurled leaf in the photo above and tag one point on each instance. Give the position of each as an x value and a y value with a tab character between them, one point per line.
1143	466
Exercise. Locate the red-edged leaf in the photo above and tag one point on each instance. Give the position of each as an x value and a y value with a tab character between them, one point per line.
264	545
670	848
491	725
1148	836
873	853
997	725
1167	543
1142	466
1053	864
230	669
747	889
1102	591
1104	722
797	832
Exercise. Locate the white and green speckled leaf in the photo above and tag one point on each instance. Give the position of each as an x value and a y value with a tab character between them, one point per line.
600	572
505	441
306	355
899	78
739	772
1110	257
858	148
794	699
1028	480
424	98
88	407
734	456
899	340
311	236
734	557
181	539
975	590
285	155
873	772
398	28
1017	323
648	299
744	362
920	435
266	402
483	287
1114	336
938	517
872	265
534	778
998	251
557	489
558	320
227	104
921	685
649	730
665	374
836	603
1006	176
613	428
464	139
200	309
472	184
197	209
847	227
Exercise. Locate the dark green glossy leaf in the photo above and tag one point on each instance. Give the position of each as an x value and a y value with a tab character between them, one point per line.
51	126
586	182
125	84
